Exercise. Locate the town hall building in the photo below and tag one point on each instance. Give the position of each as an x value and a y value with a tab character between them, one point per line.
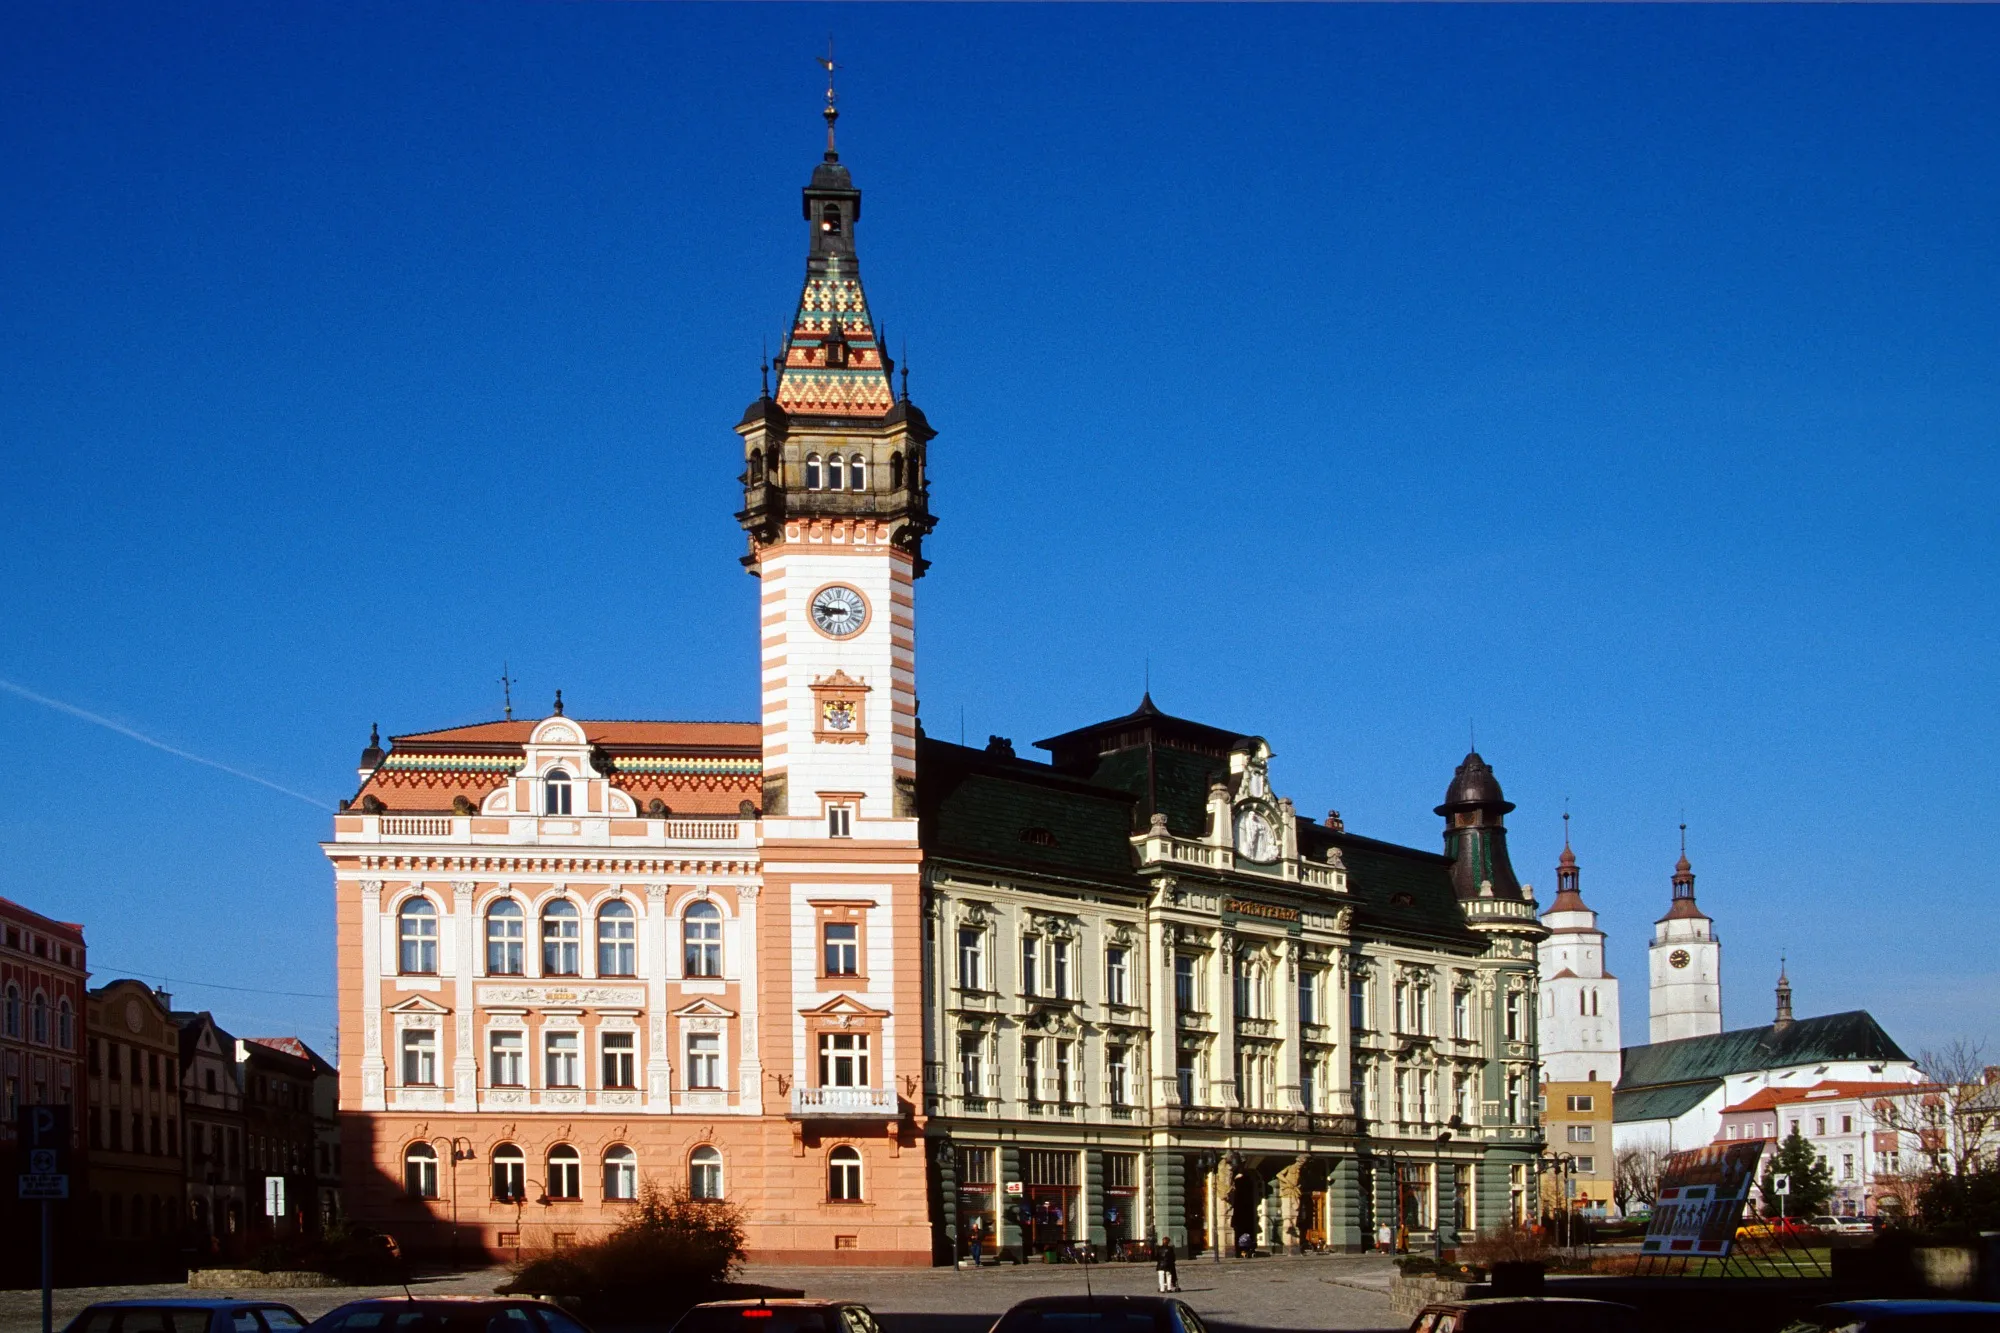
890	995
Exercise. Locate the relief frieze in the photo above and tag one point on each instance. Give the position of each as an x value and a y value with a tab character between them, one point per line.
543	996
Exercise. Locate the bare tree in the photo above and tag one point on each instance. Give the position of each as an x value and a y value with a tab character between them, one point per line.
1635	1175
1955	1116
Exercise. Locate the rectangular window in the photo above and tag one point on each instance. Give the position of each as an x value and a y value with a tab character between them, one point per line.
1583	1133
1847	1166
1585	1103
1461	1015
1186	996
1586	1166
1847	1124
840	821
1401	994
1121	1170
419	1058
562	1050
705	1060
1031	956
971	959
1066	1091
1031	1067
1059	968
1117	983
975	1166
620	1064
508	1070
1308	996
843	949
1515	1024
1517	1105
971	1065
1819	1126
1116	1076
843	1060
1357	1004
1184	1078
1309	1084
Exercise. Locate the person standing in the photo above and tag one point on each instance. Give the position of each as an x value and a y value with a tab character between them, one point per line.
1163	1260
977	1239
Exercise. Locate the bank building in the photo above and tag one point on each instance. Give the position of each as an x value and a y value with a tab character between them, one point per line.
889	994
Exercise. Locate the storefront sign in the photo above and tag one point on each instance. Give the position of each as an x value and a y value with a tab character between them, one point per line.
1270	911
1013	1187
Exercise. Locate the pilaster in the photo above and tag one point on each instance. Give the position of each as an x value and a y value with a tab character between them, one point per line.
464	1067
374	1073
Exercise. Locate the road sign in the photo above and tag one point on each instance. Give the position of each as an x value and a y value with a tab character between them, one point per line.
274	1196
1781	1184
45	1129
44	1186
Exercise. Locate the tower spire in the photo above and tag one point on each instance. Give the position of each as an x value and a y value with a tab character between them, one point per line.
832	112
1784	1018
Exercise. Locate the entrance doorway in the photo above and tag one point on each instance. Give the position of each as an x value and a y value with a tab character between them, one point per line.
1049	1205
975	1202
1246	1200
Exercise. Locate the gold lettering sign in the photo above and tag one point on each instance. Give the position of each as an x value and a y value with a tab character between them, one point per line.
1245	907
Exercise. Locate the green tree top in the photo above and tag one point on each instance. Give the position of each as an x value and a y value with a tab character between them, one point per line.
1812	1178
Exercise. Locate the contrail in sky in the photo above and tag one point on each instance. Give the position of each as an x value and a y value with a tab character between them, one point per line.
144	739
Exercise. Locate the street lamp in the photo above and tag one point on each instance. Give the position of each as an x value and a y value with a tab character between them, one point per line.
520	1202
461	1151
1437	1189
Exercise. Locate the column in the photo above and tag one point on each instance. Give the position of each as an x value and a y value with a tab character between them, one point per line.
1290	1034
465	944
750	1074
660	952
1093	1198
374	1073
1008	1169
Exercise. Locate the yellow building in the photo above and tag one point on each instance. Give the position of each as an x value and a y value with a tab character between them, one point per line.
1577	1164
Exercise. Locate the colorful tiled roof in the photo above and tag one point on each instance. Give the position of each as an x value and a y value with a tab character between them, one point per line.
833	364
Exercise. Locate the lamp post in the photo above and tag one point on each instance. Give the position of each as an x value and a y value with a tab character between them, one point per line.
1437	1189
461	1151
520	1202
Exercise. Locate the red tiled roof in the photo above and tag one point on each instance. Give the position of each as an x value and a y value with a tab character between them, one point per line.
29	916
610	732
1765	1099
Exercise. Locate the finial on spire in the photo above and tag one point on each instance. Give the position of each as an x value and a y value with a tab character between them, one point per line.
832	112
559	711
506	692
1565	823
906	370
1684	837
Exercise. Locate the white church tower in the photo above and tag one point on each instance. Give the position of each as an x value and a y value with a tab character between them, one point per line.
1579	998
1686	965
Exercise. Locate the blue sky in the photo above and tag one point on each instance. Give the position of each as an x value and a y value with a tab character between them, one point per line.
1621	379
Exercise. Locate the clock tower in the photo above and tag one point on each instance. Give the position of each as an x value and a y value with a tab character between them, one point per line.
1685	962
835	510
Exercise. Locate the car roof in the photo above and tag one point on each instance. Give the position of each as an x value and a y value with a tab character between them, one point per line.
1483	1302
1091	1302
185	1303
1888	1307
442	1298
783	1302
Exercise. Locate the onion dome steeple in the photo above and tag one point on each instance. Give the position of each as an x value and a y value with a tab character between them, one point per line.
1569	894
1475	834
1683	905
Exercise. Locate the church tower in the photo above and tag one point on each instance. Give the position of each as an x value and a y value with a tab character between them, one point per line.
1685	962
1579	998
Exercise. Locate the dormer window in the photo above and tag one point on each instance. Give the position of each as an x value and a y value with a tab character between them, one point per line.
829	219
555	793
812	472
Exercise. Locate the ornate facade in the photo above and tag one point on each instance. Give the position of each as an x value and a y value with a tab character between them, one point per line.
874	987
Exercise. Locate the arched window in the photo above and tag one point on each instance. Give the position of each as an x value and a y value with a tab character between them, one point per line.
561	939
857	473
812	472
555	793
510	1174
836	475
829	219
10	1012
705	1174
843	1175
420	1171
565	1173
621	1173
895	472
756	467
774	465
617	935
701	930
38	1019
65	1026
504	947
417	929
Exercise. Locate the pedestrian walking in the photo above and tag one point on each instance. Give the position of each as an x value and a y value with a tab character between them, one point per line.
1384	1239
978	1239
1163	1260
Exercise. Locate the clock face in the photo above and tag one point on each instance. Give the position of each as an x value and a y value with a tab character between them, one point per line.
1679	958
839	610
1256	840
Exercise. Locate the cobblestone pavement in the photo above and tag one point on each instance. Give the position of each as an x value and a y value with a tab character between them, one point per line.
1323	1292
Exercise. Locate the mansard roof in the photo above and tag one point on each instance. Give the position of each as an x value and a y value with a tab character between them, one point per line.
695	768
1850	1036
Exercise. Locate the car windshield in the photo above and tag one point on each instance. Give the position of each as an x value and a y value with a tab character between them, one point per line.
405	1317
757	1319
142	1319
1540	1317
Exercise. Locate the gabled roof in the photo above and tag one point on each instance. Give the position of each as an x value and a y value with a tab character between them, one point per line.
1849	1036
294	1047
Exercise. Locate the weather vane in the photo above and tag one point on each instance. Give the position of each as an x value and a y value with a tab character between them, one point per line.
832	112
507	683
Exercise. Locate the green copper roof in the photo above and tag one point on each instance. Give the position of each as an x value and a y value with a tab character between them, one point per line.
1661	1103
1849	1036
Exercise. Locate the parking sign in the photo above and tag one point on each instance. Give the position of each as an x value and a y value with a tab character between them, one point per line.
43	1133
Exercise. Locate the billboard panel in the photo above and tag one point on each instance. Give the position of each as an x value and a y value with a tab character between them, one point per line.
1702	1193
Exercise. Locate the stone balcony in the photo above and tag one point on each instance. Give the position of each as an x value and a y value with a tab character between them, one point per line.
843	1104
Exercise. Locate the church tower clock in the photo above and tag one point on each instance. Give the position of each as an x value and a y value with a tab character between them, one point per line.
1685	962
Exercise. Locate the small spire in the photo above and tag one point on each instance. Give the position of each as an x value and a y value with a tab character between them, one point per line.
559	711
832	112
506	691
1784	1015
905	367
1565	823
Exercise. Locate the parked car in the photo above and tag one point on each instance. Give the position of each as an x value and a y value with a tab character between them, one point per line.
778	1316
1842	1226
448	1314
1904	1317
1101	1314
187	1316
1786	1228
1526	1314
